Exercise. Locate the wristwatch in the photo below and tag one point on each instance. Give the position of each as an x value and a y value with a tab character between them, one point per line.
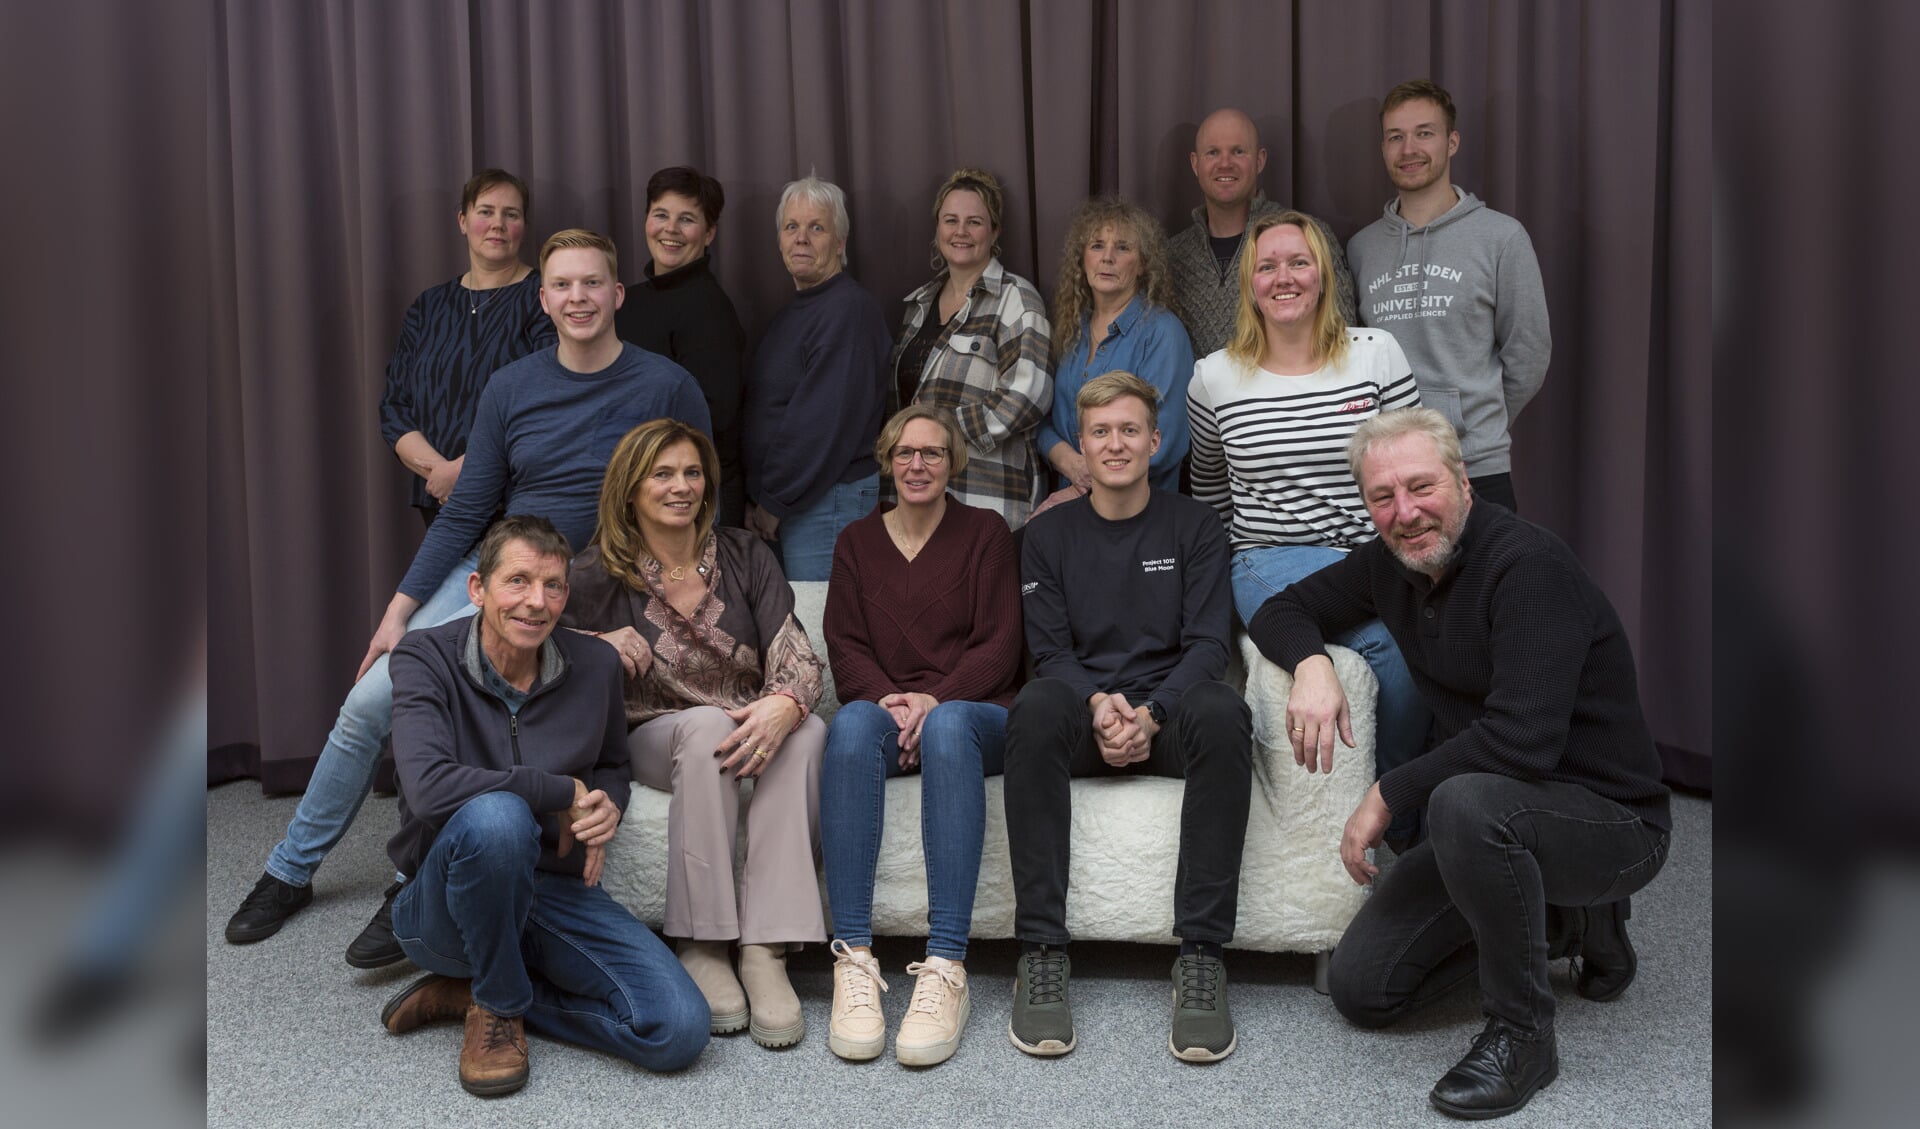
1157	712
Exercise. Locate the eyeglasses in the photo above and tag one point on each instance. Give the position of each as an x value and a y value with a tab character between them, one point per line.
930	456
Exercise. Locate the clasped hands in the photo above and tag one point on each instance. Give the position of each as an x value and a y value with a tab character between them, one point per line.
1123	731
909	711
592	819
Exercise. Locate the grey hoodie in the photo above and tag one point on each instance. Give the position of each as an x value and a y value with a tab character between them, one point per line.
1464	299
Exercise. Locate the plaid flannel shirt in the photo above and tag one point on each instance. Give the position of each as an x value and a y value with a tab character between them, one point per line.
993	368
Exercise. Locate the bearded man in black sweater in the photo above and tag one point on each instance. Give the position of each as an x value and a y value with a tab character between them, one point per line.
1540	779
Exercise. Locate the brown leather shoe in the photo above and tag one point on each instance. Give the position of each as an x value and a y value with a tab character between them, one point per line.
493	1058
431	999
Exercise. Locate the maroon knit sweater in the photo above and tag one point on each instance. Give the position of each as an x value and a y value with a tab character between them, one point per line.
946	623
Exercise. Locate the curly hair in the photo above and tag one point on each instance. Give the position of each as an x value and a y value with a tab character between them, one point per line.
1249	341
622	545
1073	297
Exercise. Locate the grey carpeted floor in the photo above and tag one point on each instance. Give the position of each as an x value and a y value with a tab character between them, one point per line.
294	1036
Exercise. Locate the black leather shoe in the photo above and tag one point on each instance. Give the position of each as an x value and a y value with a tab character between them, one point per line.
1565	924
1607	959
265	910
376	946
1499	1075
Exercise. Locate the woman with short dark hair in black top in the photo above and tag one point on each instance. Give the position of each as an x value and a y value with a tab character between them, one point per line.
678	310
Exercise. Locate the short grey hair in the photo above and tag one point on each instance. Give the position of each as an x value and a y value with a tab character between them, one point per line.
1389	426
821	194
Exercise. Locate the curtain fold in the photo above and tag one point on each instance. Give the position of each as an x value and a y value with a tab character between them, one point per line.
340	133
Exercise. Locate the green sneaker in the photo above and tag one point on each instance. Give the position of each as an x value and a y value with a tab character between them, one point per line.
1042	1021
1202	1022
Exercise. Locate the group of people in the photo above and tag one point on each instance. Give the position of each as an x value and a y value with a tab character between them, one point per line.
1032	593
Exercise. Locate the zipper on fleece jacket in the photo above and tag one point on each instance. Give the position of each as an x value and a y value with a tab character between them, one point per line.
513	735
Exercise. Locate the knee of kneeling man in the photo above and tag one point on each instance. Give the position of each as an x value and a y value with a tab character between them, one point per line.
498	821
688	1034
1359	1005
1459	803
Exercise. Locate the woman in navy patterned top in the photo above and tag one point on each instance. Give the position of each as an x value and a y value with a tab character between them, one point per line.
456	334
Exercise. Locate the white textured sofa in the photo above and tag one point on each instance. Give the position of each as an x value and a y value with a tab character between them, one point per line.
1294	894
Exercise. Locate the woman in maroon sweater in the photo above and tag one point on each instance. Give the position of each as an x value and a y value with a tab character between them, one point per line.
924	638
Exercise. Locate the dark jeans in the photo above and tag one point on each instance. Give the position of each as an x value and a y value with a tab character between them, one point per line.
1208	741
575	962
1496	488
1474	895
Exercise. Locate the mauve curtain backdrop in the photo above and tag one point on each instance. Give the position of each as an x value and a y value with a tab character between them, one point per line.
340	134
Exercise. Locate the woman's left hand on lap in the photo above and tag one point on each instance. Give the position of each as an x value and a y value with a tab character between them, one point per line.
764	724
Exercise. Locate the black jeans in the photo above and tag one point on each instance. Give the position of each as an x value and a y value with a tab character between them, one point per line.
1474	896
1496	488
1208	741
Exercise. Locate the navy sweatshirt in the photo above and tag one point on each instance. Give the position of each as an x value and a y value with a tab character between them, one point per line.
815	398
1139	607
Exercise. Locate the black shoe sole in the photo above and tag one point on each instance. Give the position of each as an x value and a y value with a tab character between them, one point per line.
1467	1113
248	935
379	959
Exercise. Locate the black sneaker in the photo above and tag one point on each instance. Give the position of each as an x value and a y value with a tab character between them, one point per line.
1502	1072
1607	959
376	947
265	910
1202	1021
1042	1021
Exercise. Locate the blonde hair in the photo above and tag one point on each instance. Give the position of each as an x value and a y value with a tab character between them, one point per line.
581	238
1249	341
1389	426
894	428
987	187
1073	296
1108	387
622	544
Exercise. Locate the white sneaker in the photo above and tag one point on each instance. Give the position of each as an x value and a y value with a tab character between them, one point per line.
930	1033
857	1030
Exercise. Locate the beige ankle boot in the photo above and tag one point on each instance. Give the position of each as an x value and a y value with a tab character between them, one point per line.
706	962
776	1021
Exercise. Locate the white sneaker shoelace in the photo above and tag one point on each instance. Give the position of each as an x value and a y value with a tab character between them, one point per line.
856	975
933	985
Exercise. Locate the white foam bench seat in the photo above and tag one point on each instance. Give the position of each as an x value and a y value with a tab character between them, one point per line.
1294	894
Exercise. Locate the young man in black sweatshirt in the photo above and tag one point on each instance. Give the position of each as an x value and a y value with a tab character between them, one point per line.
1128	613
1541	782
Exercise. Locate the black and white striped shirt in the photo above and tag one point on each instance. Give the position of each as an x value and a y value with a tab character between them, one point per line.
1270	451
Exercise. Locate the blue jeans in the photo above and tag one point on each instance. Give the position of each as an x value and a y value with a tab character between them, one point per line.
806	538
961	743
1402	717
547	946
344	774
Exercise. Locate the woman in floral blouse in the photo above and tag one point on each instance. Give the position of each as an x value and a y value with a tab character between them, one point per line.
721	685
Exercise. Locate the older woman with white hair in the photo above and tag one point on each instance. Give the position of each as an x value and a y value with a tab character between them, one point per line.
817	392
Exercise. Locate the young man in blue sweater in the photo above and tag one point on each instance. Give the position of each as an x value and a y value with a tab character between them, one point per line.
1128	613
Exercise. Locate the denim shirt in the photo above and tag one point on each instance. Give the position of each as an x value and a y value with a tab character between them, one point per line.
1149	342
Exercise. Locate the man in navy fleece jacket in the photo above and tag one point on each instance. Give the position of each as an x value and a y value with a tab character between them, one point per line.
511	744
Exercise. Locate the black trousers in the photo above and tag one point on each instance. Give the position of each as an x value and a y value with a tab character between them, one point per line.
1496	488
1473	897
1208	741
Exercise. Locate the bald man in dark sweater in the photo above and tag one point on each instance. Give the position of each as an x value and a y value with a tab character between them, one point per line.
1541	782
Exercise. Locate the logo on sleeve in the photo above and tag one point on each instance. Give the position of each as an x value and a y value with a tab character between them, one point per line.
1028	588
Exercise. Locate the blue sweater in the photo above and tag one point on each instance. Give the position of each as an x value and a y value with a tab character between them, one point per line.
540	443
815	398
1149	342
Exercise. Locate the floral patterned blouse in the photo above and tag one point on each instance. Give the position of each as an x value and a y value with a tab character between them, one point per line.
741	643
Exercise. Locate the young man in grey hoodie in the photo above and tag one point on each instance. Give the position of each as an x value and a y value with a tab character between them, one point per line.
1457	285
